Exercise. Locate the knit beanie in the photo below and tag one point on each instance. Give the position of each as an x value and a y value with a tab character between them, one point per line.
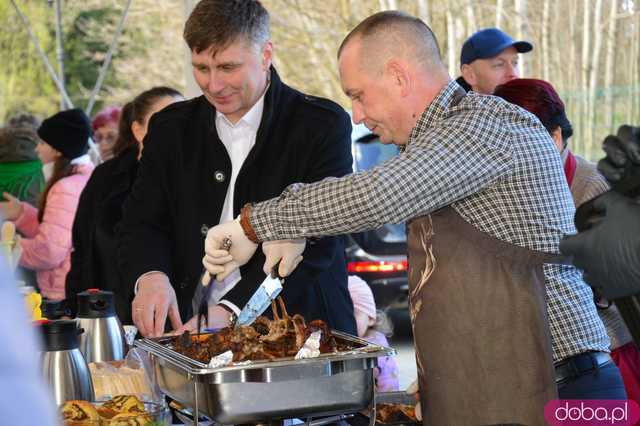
68	132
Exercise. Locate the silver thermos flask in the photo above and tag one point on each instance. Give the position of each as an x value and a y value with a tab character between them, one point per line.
63	365
103	337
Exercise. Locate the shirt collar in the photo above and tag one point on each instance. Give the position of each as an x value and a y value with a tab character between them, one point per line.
252	117
449	96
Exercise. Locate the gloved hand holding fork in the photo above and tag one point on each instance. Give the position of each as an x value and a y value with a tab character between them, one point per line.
221	263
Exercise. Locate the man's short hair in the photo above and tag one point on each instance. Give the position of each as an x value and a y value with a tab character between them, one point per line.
221	22
396	29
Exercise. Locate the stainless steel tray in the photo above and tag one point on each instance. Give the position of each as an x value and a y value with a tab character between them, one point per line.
255	391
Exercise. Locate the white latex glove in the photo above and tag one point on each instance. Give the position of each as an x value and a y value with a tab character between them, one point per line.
154	301
287	252
414	389
12	208
219	262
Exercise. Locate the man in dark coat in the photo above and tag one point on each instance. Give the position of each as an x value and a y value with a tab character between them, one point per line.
245	140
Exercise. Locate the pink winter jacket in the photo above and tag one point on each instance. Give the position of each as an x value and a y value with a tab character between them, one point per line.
46	247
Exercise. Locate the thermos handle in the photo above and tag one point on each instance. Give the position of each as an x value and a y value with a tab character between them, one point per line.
99	305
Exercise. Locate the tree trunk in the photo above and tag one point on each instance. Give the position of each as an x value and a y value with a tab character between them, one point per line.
593	80
632	111
608	71
423	11
573	76
546	7
388	5
558	55
521	29
584	80
472	26
499	11
451	43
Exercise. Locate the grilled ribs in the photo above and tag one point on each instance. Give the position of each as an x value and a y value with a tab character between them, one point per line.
265	339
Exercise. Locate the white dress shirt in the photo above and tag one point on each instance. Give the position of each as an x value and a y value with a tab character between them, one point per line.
238	139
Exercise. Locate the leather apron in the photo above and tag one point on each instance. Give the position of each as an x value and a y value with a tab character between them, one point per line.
479	317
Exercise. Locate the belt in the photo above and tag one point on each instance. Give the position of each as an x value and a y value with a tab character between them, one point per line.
576	365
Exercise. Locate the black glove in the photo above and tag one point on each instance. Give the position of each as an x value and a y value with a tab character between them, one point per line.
623	151
609	252
621	167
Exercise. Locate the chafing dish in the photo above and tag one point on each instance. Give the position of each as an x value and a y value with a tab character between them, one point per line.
251	392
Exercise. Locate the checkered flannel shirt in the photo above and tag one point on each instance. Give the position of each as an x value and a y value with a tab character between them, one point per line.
494	163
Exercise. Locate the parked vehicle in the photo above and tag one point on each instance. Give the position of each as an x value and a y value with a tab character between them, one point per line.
378	256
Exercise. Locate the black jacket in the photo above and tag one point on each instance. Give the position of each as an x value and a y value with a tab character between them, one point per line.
182	184
93	259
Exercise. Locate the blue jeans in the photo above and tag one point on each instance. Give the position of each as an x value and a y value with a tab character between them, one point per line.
604	382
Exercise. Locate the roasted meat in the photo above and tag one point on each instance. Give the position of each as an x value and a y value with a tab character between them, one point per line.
327	341
286	334
395	413
265	339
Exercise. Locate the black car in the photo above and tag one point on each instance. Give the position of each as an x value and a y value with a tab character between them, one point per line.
378	256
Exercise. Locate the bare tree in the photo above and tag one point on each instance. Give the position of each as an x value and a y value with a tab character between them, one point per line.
388	5
521	29
608	68
451	42
471	17
423	10
593	78
586	53
307	33
632	109
499	12
546	7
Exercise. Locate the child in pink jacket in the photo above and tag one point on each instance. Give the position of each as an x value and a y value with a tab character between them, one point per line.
46	246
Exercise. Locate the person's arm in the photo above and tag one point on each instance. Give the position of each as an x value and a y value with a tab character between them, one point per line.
35	188
328	156
331	157
27	221
609	252
622	152
144	237
608	248
445	166
51	244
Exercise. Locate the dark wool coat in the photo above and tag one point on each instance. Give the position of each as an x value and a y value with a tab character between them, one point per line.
182	183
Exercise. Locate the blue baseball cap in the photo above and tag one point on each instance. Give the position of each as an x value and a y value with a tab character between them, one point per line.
488	43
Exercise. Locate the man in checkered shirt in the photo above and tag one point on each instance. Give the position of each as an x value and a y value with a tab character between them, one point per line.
475	161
